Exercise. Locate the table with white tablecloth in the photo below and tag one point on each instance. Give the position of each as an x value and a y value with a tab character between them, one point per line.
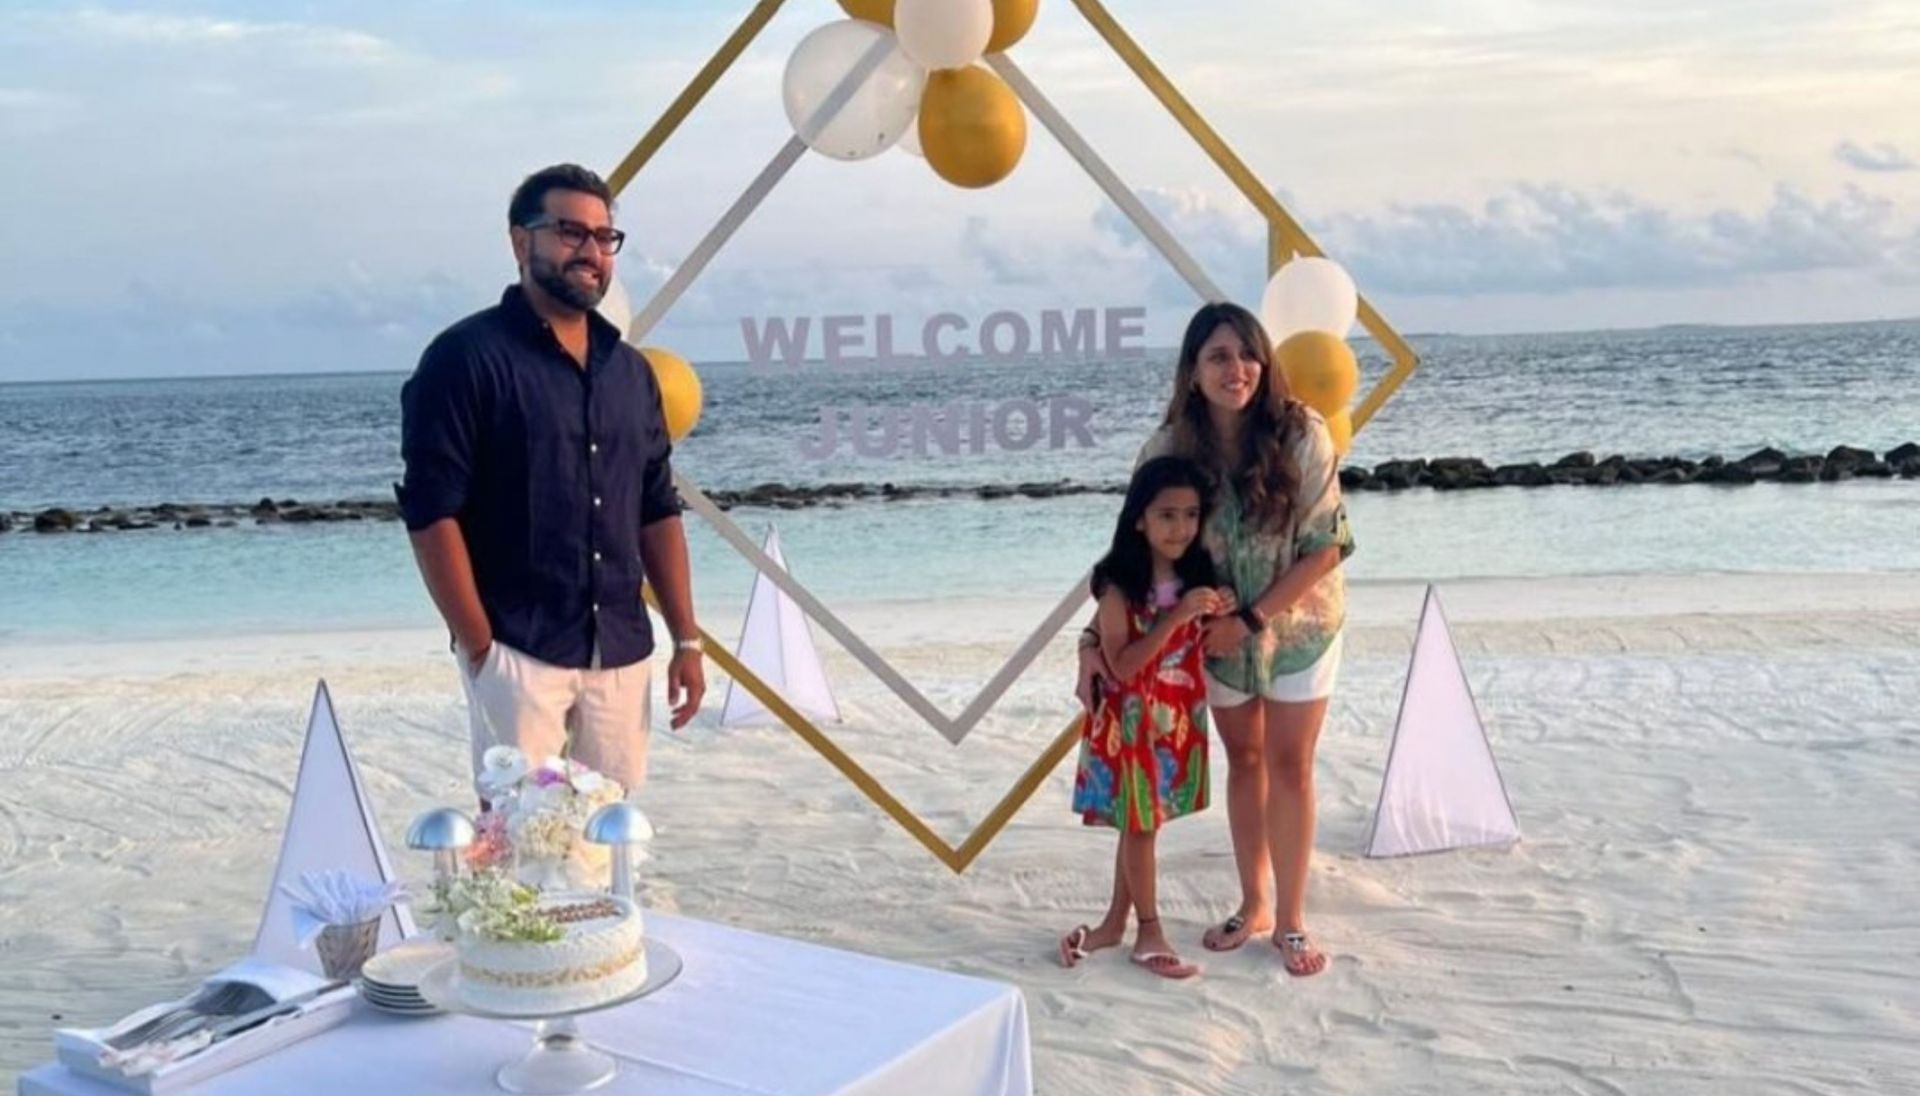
751	1013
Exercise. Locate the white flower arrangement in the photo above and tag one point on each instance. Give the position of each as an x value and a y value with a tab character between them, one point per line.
534	823
488	905
502	768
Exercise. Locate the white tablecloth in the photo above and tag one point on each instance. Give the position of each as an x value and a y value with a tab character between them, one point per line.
750	1014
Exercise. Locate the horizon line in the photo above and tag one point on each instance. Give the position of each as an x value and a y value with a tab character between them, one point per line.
1150	350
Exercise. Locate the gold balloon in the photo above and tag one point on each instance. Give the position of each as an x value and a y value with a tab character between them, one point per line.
1012	19
1340	429
679	390
873	11
971	126
1320	370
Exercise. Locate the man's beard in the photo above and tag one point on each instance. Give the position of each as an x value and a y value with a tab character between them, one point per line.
553	279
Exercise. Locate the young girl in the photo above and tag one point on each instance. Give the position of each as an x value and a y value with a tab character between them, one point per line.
1143	750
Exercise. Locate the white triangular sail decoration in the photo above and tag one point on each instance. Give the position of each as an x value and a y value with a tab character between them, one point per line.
330	826
1442	789
776	642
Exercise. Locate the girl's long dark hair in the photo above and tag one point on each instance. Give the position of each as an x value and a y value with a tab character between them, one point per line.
1128	564
1263	472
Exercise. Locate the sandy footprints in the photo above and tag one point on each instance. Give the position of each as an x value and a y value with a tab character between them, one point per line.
51	725
1165	1055
448	726
37	728
1676	986
1053	889
13	839
1379	1022
1566	1072
1523	903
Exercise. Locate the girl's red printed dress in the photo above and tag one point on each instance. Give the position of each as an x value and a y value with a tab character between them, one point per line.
1143	751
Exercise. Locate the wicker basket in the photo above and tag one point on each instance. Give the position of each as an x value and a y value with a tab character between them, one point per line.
344	949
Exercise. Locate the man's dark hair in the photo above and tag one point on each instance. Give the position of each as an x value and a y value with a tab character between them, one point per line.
529	199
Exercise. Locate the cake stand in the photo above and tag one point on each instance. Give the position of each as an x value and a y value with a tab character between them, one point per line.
560	1061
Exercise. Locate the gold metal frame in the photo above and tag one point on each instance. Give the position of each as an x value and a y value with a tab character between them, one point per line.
1285	240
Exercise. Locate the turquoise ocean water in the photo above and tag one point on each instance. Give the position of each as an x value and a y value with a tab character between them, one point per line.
1683	392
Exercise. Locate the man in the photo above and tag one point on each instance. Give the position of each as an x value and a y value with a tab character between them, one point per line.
538	496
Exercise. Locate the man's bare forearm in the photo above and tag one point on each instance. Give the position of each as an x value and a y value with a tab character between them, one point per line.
663	552
441	551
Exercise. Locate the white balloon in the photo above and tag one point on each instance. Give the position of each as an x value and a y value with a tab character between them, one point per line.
879	103
944	34
1309	294
616	306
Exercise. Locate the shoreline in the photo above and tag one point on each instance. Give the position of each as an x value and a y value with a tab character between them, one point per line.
1439	474
1381	614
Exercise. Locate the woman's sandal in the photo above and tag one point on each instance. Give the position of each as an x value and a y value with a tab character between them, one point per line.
1298	954
1073	946
1227	935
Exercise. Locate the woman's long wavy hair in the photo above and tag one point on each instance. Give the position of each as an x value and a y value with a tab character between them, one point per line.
1263	473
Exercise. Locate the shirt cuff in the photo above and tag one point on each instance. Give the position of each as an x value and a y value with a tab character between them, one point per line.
422	504
655	511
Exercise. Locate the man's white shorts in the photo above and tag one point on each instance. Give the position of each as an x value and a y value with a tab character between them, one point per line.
515	699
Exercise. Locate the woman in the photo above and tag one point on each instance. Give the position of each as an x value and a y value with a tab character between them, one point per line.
1278	537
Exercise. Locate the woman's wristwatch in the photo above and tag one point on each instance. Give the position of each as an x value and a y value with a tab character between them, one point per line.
1089	638
693	645
1251	617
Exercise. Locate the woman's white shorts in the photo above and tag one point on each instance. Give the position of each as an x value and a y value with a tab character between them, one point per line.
1299	687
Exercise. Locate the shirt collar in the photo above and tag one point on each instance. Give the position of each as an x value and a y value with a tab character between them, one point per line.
602	336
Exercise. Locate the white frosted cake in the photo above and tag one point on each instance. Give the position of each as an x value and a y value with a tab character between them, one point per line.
598	958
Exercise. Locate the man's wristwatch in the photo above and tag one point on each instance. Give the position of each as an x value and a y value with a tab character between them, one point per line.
693	645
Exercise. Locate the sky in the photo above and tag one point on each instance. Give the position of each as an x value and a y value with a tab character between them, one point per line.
248	187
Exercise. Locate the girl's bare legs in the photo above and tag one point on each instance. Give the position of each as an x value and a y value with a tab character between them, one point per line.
1136	851
1292	732
1150	947
1242	732
1113	928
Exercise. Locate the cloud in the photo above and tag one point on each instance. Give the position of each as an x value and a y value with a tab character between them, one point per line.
303	42
1878	158
1006	265
359	302
238	85
32	112
1906	268
913	279
1225	237
26	99
1556	239
1538	238
146	328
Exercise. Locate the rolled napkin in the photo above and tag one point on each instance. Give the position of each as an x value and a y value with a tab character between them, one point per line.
323	898
148	1057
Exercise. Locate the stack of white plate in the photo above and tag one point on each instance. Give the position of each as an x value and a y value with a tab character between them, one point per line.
390	981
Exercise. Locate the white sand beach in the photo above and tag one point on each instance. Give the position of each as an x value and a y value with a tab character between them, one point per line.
1718	778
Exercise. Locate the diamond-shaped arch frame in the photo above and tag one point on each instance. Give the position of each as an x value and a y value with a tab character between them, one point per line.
1285	240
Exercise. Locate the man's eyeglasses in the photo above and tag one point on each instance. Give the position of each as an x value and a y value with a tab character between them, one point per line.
575	235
